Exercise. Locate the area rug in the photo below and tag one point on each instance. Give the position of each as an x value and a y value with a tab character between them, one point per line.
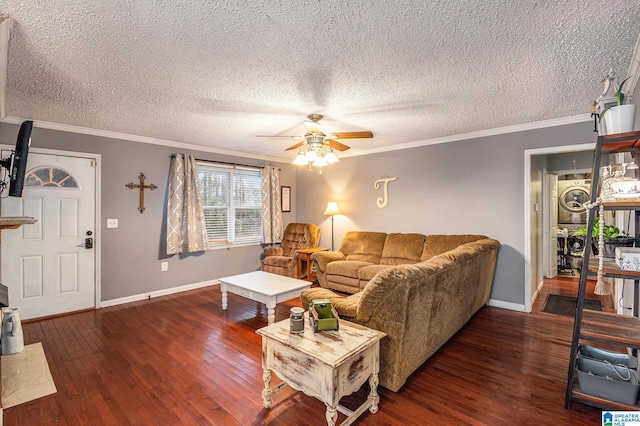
26	376
566	305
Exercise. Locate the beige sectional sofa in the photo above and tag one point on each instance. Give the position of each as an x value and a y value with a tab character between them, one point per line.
362	255
419	297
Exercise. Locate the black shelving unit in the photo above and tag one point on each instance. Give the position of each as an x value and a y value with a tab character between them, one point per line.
601	327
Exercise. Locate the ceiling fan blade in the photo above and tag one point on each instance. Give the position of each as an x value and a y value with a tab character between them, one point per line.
336	145
353	135
298	145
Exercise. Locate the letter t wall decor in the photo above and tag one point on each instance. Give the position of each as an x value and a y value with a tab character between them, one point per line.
382	201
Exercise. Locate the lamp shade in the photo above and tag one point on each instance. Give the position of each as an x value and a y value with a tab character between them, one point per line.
332	209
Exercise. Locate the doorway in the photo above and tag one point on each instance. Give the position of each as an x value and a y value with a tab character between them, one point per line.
538	228
566	194
52	266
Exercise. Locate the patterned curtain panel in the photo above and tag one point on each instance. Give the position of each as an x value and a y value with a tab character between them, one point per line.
186	231
271	208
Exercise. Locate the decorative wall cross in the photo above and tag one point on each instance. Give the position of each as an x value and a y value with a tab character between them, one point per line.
142	187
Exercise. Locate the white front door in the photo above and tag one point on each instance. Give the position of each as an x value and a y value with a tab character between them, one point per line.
49	267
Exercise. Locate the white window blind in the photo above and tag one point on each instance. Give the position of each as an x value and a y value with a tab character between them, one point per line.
232	203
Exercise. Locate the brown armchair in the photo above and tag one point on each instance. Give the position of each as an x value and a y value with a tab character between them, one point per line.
283	260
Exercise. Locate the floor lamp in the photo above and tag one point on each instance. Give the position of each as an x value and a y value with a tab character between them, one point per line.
332	210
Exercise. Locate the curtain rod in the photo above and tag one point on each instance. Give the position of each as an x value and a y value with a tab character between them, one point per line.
226	162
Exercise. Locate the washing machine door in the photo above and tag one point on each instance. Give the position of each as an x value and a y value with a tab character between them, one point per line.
570	204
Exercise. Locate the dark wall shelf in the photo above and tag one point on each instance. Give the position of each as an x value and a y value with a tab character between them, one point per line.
601	327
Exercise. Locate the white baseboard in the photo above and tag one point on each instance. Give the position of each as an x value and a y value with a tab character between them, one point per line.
137	297
506	305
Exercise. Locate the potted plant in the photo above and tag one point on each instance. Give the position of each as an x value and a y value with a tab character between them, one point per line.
619	118
613	238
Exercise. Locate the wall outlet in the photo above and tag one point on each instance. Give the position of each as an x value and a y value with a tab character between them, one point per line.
164	266
112	223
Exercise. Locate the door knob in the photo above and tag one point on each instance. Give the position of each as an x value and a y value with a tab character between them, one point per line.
88	243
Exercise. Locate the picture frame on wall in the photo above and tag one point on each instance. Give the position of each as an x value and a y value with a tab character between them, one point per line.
285	200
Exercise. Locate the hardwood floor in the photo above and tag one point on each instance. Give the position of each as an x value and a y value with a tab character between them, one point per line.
180	359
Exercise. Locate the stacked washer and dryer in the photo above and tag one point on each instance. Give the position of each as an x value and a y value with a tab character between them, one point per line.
572	194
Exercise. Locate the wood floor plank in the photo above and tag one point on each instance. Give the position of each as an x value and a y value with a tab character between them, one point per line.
181	359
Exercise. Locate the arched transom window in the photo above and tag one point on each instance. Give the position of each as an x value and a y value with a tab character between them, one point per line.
49	177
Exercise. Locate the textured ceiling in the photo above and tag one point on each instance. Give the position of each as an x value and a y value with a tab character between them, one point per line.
218	73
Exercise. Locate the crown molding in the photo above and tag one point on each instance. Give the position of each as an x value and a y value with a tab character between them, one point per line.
139	139
183	145
555	122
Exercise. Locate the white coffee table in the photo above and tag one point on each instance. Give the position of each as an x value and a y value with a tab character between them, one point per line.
262	287
327	365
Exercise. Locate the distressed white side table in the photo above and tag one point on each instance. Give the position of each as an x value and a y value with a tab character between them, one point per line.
326	365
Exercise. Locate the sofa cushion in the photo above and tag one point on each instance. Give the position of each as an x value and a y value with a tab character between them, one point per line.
343	275
363	246
437	244
346	268
345	285
402	249
370	271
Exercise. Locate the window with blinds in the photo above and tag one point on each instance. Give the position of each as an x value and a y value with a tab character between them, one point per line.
232	202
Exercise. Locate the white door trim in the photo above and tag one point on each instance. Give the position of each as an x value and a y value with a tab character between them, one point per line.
549	217
528	232
97	158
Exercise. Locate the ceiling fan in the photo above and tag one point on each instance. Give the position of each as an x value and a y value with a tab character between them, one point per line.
316	147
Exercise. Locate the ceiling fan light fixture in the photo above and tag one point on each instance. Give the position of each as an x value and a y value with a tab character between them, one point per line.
320	162
317	149
331	157
313	139
311	155
300	160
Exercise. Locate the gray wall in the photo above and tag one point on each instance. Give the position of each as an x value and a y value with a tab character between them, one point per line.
469	186
569	161
132	253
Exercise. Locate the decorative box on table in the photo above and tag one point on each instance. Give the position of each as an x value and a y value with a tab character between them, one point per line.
628	258
323	316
